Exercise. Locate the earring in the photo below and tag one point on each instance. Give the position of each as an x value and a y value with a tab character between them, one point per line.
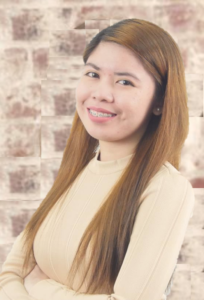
158	108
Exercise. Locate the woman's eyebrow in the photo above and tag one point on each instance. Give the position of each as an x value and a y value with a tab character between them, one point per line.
116	73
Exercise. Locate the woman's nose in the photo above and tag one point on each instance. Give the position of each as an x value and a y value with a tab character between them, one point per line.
103	91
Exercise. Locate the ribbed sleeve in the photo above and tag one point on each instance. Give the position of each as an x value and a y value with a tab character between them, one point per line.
12	275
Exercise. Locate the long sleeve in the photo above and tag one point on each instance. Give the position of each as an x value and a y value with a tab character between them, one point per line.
12	275
155	243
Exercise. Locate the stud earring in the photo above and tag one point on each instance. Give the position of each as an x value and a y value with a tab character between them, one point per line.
158	108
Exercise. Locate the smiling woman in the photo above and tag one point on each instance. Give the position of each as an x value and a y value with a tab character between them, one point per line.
133	103
114	221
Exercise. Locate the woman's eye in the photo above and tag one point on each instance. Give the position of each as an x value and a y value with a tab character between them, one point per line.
129	82
89	73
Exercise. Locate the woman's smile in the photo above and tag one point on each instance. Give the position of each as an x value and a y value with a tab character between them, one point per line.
99	119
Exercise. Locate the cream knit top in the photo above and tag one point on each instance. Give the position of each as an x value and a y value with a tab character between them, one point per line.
151	257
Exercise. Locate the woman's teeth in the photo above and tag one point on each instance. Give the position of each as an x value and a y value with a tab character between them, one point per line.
100	114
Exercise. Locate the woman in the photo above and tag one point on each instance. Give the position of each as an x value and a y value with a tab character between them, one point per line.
114	221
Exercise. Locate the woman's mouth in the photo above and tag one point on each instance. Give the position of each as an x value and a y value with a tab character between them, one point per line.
100	117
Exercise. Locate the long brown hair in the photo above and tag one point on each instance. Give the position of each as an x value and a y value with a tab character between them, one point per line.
110	230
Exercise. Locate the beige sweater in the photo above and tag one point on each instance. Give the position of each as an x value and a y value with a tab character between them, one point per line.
151	257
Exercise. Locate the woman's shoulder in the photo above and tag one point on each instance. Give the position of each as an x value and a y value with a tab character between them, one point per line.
169	186
169	174
171	169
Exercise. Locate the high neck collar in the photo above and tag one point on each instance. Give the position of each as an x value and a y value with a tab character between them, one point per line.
107	167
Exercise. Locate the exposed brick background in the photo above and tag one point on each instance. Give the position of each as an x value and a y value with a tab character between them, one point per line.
41	47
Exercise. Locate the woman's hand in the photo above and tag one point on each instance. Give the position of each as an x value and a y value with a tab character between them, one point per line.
33	277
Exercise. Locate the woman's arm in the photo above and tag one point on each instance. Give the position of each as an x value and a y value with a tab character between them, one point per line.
34	277
155	243
12	275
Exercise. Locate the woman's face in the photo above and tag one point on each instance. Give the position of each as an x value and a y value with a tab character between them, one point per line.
130	98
